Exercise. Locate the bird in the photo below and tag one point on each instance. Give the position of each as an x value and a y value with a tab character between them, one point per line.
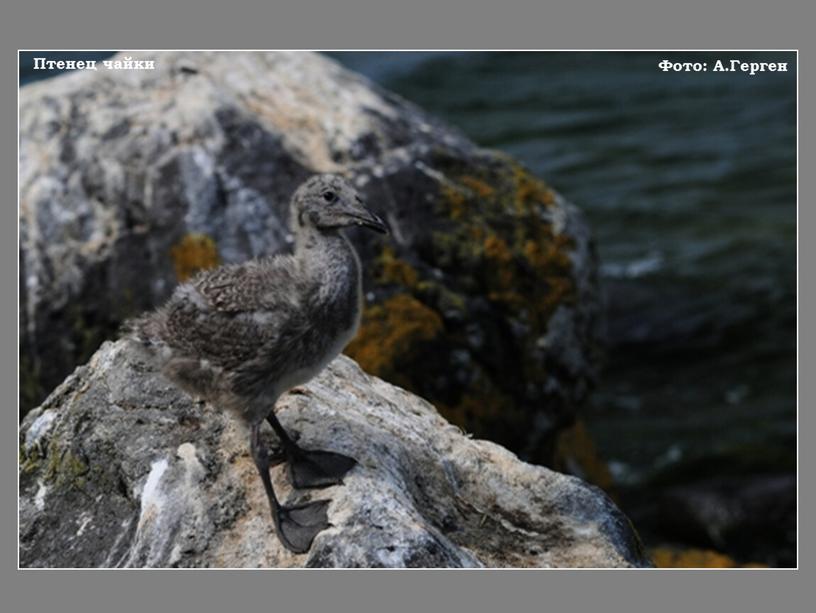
241	335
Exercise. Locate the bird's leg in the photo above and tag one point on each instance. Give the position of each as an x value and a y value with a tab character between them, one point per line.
297	525
308	468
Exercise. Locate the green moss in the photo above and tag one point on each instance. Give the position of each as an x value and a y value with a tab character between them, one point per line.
29	462
64	468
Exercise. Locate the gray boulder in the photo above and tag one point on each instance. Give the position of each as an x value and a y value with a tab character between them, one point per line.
483	300
120	469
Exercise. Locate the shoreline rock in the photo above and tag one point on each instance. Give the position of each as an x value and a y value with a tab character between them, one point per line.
119	468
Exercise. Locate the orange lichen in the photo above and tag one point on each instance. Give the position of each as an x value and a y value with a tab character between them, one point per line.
192	254
496	248
576	453
481	404
492	238
477	186
391	332
391	269
668	557
457	195
506	249
455	200
530	190
544	254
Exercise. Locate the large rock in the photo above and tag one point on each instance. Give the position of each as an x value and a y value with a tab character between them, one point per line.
119	468
483	300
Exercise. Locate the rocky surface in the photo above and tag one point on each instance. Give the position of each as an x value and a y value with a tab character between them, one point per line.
119	468
483	300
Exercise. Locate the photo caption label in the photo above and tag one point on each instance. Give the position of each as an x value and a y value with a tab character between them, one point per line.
126	63
752	68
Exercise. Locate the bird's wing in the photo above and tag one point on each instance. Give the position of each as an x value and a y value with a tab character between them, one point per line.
256	285
232	315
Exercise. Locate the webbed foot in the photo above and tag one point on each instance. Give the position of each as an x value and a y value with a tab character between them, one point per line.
317	468
308	468
298	525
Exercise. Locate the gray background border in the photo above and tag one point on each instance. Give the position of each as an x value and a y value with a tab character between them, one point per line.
438	24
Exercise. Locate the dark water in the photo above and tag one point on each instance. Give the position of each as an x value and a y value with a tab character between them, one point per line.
689	182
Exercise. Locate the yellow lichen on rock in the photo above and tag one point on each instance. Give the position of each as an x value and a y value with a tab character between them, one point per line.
479	187
530	190
669	557
577	454
496	248
496	268
393	331
456	201
495	241
192	254
481	403
525	263
394	270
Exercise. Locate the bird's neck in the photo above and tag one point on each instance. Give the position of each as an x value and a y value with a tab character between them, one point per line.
329	258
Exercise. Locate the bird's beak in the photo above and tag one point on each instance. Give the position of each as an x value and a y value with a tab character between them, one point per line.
370	220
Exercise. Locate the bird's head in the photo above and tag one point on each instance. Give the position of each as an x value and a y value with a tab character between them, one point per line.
329	202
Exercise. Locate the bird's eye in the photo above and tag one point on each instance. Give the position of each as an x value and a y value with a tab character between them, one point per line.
329	196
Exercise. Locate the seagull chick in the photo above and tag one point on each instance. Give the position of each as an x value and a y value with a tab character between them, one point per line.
241	335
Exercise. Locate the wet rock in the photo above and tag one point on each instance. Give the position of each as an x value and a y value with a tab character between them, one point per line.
119	468
749	517
483	300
